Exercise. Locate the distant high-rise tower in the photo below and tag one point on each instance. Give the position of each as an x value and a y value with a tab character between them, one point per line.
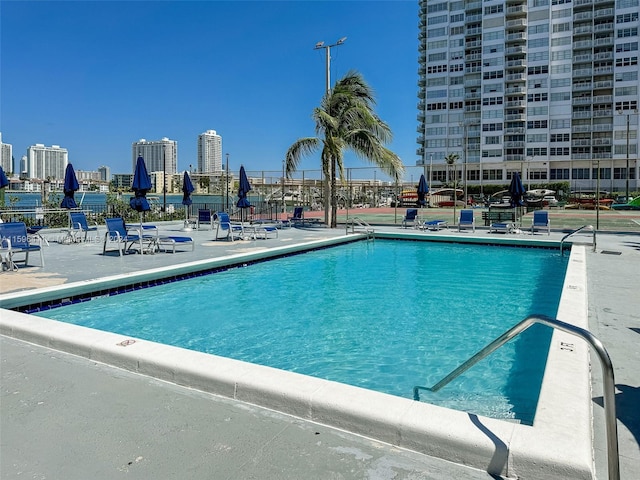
6	156
46	162
542	87
209	152
105	173
159	156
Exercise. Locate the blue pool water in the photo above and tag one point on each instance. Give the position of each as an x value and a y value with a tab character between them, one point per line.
384	315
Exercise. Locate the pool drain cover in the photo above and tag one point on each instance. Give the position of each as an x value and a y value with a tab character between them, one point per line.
610	252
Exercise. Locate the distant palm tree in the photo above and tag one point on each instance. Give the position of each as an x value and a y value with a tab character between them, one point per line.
345	119
451	159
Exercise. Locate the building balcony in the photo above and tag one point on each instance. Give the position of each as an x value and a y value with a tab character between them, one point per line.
514	77
516	37
516	10
602	141
517	23
578	115
582	3
515	117
516	91
603	27
603	56
603	84
581	129
514	131
603	99
604	13
516	64
603	70
584	142
516	104
582	72
519	50
582	16
581	101
582	86
519	144
603	127
603	42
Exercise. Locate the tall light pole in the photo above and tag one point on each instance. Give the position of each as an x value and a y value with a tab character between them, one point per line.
430	176
332	168
227	182
327	48
164	178
284	210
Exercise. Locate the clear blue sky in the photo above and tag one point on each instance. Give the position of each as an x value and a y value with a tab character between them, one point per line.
95	76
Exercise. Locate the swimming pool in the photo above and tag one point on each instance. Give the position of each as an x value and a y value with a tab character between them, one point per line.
385	316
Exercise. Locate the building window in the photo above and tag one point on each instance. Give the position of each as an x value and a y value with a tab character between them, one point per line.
559	151
559	174
537	124
580	173
492	174
560	137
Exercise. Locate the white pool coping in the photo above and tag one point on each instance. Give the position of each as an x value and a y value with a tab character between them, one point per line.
558	445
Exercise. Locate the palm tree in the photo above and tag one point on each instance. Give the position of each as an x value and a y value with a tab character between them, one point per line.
345	120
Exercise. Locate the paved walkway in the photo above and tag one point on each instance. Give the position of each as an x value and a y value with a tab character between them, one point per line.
66	417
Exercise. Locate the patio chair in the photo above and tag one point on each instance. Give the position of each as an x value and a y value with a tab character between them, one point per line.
298	215
467	220
80	226
18	242
204	217
541	220
433	225
171	242
118	233
228	229
410	218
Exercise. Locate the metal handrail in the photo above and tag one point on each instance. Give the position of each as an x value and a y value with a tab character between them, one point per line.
353	221
605	363
576	231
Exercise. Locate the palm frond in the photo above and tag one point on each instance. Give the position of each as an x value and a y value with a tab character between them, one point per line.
300	148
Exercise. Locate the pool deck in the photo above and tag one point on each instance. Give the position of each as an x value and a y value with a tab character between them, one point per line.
64	416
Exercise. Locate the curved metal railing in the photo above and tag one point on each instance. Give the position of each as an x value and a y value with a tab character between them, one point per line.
605	363
356	222
576	231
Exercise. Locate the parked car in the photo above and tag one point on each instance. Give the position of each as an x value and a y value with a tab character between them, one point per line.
550	200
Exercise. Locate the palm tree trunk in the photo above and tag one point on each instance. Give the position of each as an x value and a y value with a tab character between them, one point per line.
333	221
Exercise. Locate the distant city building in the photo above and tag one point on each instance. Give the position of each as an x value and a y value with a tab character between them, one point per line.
122	181
23	166
6	156
209	152
105	173
88	175
46	162
159	156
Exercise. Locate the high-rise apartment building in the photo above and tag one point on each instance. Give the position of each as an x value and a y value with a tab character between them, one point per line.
209	152
548	88
105	173
46	162
6	156
159	156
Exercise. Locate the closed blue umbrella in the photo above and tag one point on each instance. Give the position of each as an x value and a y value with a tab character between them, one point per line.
4	181
516	190
243	190
423	189
187	190
141	185
70	187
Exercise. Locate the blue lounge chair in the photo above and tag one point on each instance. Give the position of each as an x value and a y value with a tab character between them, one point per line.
433	225
541	220
298	215
204	217
410	218
229	230
171	242
467	220
119	233
15	238
80	227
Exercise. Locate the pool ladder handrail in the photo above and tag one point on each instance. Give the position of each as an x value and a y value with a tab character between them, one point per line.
605	363
576	231
356	221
